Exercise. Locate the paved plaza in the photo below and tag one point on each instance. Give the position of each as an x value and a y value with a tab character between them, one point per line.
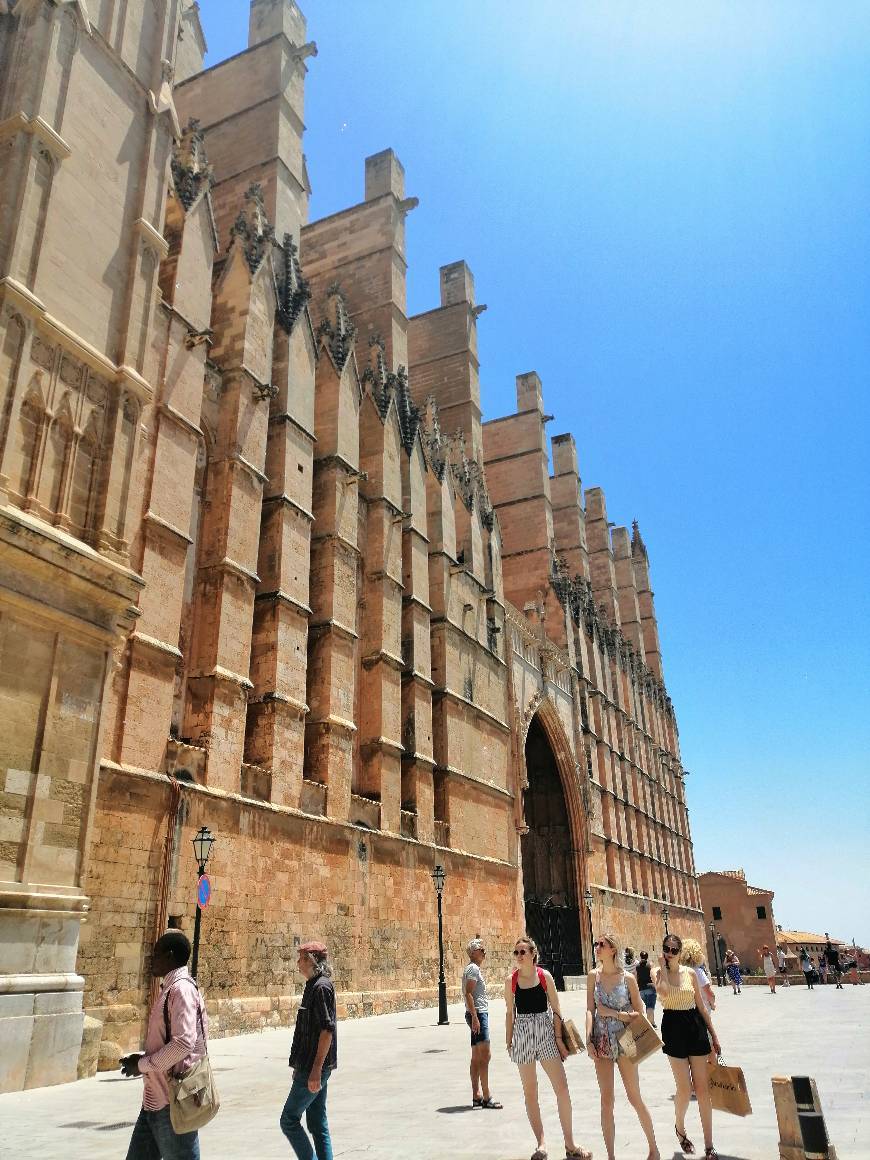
402	1090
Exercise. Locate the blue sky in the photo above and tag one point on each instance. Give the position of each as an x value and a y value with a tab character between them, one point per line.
665	207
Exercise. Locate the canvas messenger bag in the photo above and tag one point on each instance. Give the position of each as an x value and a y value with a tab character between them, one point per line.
193	1097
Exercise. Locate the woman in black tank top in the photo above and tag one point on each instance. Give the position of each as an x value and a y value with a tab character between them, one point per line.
532	1010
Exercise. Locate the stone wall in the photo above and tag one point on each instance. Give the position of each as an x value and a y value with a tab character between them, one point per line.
279	878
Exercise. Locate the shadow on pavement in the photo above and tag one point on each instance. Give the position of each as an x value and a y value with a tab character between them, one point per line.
457	1108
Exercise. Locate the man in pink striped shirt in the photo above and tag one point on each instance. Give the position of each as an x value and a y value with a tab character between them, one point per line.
176	1039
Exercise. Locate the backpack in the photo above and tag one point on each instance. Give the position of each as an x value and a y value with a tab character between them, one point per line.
541	979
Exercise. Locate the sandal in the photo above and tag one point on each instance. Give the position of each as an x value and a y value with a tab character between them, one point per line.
489	1102
476	1101
685	1143
578	1154
711	1153
539	1154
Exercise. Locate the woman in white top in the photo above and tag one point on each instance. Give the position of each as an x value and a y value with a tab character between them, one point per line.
768	967
693	956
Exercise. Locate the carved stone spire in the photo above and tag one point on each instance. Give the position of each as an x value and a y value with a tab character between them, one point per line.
191	172
434	441
337	328
252	228
638	547
294	292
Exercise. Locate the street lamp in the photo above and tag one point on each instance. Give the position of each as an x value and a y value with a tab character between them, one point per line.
715	946
665	916
587	898
202	845
438	877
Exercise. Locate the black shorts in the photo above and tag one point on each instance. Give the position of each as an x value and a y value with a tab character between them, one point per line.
684	1033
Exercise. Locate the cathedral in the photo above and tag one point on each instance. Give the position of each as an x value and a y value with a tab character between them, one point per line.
267	567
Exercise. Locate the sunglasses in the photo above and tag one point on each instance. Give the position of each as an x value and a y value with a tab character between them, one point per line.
670	950
601	943
521	951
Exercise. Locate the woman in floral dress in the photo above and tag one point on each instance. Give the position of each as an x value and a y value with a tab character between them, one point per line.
612	1002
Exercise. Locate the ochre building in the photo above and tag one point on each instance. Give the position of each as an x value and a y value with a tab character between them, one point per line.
738	916
264	567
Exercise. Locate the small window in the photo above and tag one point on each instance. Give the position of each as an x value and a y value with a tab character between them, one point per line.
761	911
717	913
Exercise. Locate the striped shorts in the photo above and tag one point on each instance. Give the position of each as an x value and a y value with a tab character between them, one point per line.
533	1038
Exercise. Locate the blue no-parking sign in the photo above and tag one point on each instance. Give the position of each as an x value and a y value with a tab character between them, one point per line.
203	891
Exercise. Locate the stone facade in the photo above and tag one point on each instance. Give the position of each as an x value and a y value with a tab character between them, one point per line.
742	916
264	567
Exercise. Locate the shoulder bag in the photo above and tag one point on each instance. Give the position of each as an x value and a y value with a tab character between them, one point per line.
193	1097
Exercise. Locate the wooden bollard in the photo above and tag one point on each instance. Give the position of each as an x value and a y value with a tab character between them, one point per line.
802	1131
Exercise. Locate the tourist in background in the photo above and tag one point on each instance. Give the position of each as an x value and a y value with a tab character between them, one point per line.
732	966
533	1034
629	960
768	967
693	956
832	956
783	966
687	1035
612	1002
177	1038
807	967
643	974
823	968
313	1056
477	1018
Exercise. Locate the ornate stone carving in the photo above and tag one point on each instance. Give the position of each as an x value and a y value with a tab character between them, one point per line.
71	371
42	353
252	228
294	293
338	330
434	440
387	385
191	172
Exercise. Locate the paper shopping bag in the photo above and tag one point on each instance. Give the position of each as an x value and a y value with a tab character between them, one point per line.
646	1041
571	1035
728	1090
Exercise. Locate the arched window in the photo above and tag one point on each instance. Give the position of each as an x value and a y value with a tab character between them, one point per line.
84	476
31	418
57	452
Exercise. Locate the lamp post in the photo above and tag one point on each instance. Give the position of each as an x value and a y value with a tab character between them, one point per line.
202	845
715	946
438	877
587	898
665	916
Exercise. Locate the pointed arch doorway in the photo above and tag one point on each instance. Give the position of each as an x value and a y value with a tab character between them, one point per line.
551	862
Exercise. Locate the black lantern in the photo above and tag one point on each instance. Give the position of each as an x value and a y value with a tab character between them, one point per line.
439	877
665	916
202	845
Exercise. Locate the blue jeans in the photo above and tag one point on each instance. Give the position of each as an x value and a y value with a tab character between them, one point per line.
154	1139
313	1104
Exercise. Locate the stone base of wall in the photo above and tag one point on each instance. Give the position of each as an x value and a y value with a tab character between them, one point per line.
124	1026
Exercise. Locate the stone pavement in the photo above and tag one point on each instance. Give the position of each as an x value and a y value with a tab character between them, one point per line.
402	1090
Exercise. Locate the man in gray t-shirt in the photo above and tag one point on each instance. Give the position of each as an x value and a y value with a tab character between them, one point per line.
477	1018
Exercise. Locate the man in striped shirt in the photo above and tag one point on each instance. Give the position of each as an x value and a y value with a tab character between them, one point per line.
175	1041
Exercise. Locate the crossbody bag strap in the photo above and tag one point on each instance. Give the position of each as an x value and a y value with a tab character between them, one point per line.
167	1023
